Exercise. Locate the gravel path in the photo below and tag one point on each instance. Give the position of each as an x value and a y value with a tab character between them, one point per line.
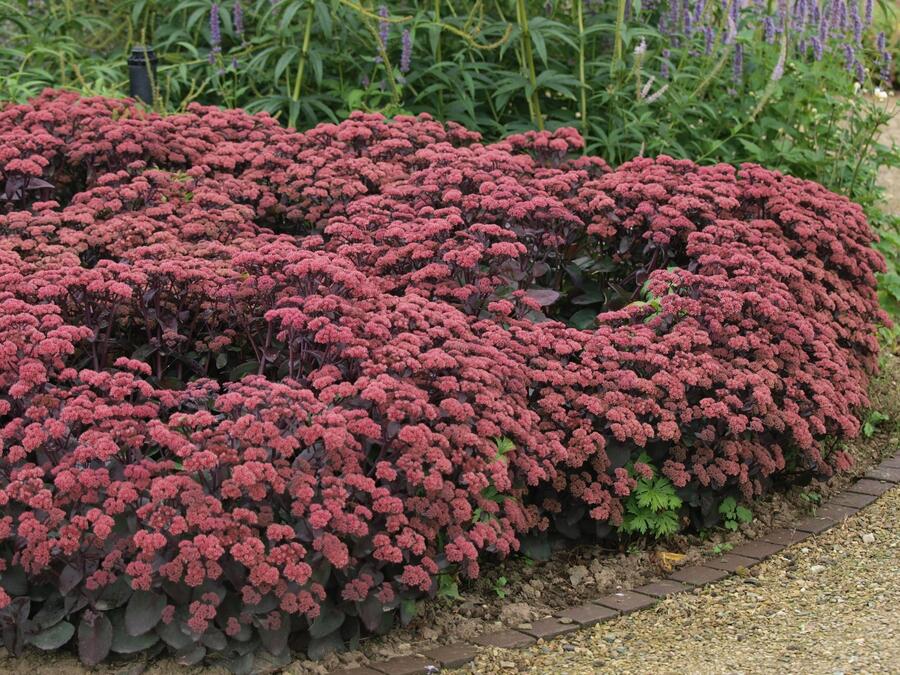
827	605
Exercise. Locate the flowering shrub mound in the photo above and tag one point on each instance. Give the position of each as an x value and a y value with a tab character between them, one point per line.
259	389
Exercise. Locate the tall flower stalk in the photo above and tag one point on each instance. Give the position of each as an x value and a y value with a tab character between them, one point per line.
301	64
582	83
528	64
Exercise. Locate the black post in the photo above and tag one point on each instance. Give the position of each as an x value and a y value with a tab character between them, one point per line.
141	68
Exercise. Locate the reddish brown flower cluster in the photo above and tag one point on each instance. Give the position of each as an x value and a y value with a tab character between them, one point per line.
254	380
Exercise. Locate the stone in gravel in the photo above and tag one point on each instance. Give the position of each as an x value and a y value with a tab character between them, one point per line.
868	538
817	569
507	664
568	648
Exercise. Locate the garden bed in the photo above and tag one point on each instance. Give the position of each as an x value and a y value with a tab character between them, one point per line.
265	390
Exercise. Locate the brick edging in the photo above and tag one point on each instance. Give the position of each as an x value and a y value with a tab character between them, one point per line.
874	483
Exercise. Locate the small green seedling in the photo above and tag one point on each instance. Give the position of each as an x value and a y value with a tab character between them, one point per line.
733	514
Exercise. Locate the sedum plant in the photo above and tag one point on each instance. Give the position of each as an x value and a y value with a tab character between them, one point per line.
261	390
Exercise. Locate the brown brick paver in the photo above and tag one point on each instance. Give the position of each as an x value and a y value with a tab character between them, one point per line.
759	550
405	665
588	615
660	589
506	639
730	562
884	473
697	575
625	601
545	629
453	656
856	500
784	537
871	487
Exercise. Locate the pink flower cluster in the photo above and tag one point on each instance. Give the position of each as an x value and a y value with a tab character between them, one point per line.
264	376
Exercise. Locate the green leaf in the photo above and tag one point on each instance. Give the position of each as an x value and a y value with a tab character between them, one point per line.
583	319
448	589
53	637
727	506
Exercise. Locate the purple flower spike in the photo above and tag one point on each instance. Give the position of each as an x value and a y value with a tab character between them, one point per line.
769	29
818	49
869	9
237	15
731	33
849	57
406	51
710	36
215	28
856	21
664	68
738	64
699	8
383	26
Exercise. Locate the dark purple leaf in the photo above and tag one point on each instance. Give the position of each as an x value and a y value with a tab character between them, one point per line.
543	296
276	640
69	578
329	620
94	639
144	611
370	611
190	655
